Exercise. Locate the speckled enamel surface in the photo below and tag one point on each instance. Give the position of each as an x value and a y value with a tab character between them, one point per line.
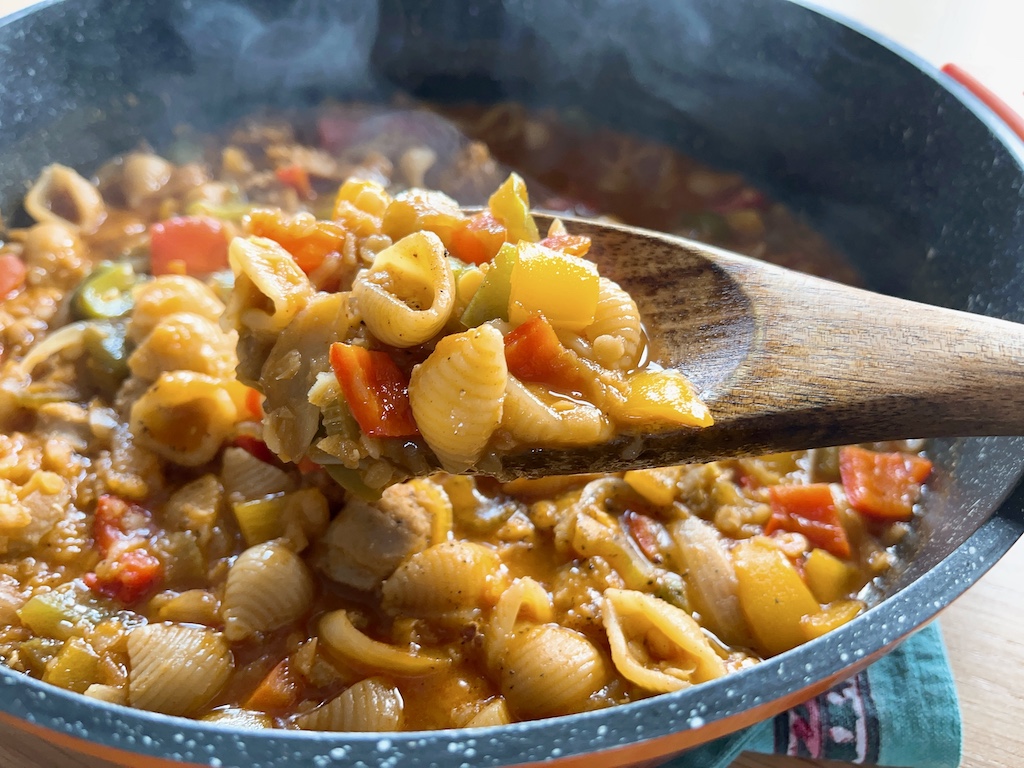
903	169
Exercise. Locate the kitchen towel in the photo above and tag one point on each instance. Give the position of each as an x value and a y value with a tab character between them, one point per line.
900	711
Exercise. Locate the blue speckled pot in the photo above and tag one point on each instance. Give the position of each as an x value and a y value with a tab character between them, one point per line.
901	167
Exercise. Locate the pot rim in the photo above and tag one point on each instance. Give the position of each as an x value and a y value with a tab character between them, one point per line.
658	726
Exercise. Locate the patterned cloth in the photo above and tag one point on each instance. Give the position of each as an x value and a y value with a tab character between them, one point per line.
900	711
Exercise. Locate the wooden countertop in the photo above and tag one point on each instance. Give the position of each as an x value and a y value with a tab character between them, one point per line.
984	631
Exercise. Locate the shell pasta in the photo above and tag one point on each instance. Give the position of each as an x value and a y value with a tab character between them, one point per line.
227	382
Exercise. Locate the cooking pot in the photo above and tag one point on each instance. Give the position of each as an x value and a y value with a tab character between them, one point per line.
903	169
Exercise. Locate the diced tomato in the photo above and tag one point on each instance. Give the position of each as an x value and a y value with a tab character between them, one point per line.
478	239
306	238
279	691
116	521
376	390
296	177
132	576
574	245
198	242
254	403
645	532
810	510
534	353
256	447
12	273
882	485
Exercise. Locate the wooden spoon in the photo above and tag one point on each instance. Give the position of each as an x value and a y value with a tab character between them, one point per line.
786	361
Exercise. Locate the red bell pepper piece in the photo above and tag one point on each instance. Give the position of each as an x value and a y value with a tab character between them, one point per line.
199	244
574	245
645	532
478	239
296	177
256	448
306	238
882	485
12	273
534	353
376	390
810	510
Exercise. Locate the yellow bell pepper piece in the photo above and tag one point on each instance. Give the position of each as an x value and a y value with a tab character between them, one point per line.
829	578
772	595
510	204
662	396
561	287
828	618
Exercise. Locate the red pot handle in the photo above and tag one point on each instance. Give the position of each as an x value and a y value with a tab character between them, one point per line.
987	97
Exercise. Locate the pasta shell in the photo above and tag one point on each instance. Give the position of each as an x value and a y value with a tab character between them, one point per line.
267	587
184	417
340	636
616	334
247	477
370	705
533	419
62	195
166	295
445	578
176	669
551	670
270	288
407	296
655	645
188	342
457	393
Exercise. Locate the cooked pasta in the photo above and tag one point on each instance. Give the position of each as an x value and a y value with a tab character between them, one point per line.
407	294
226	387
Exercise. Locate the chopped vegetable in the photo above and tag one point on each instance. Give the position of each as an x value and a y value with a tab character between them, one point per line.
830	617
490	301
510	205
132	576
376	391
76	667
563	288
882	485
59	613
106	293
306	238
772	595
828	577
479	238
810	510
352	481
116	521
12	273
106	347
278	692
296	177
665	396
256	447
574	245
199	243
534	353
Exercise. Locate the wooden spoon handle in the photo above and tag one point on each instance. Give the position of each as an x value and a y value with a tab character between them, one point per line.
830	364
787	361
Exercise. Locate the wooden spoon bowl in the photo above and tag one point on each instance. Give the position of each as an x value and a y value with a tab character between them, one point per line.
787	361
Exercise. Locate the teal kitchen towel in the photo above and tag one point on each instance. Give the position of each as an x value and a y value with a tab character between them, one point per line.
900	711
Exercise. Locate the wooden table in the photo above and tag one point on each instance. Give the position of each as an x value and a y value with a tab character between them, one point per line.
984	631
